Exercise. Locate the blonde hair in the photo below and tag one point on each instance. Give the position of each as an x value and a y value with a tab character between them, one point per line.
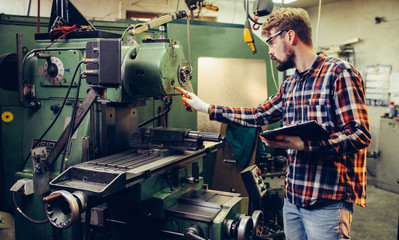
296	19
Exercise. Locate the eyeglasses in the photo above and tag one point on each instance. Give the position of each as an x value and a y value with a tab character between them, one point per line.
268	41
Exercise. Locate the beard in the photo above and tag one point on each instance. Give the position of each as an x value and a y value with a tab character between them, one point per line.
286	64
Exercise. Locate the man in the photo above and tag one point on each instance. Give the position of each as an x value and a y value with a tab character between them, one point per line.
325	177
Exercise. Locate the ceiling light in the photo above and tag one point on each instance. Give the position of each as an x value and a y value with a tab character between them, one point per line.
285	1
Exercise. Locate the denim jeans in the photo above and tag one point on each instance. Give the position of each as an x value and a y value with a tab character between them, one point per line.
327	221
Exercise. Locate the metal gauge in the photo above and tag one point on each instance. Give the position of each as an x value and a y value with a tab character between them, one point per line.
54	71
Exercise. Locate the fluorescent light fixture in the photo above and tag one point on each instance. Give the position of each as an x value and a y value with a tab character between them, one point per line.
285	1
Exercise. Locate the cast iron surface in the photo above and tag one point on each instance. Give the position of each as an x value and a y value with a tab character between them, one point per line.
110	174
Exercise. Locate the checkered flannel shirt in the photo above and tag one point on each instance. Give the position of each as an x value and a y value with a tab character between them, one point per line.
331	92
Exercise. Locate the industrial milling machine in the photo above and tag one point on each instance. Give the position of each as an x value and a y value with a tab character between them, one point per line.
95	171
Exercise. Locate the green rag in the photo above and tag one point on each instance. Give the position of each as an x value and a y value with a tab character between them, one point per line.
242	142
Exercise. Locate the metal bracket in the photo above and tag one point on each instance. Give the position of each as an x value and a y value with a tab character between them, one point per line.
24	186
41	175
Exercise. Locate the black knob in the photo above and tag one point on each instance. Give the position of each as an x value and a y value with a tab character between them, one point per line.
55	108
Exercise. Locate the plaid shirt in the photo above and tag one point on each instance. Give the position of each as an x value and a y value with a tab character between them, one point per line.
331	92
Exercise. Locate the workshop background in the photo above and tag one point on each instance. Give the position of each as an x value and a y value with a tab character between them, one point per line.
363	32
368	27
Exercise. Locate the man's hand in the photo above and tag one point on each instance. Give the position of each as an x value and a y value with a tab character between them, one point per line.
194	102
285	142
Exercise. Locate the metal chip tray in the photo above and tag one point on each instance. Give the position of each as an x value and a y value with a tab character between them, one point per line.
106	175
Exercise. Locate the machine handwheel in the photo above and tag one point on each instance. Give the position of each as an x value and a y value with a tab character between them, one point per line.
64	208
245	228
258	219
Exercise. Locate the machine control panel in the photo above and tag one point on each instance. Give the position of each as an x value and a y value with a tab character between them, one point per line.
254	183
54	72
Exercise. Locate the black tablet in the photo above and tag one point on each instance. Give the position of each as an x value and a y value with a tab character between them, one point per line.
306	131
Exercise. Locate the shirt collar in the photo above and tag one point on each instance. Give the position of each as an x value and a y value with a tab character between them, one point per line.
314	69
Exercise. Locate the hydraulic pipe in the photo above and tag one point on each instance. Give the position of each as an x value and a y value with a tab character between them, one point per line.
159	21
33	103
19	67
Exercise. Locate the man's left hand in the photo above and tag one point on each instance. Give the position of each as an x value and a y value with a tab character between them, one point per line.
285	142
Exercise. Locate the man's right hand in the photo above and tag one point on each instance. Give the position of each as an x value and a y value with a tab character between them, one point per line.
194	102
285	142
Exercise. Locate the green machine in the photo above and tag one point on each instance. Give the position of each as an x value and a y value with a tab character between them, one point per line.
87	166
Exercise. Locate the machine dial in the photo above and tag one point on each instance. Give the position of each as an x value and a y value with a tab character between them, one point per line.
54	70
185	72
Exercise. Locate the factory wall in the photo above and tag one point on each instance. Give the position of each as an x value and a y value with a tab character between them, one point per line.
345	20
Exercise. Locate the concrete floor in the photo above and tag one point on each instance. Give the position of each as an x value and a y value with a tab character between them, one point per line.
379	220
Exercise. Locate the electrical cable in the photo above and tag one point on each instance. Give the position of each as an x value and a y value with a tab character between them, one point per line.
131	27
67	150
124	32
246	7
234	12
188	40
26	216
63	35
29	3
56	117
38	17
272	70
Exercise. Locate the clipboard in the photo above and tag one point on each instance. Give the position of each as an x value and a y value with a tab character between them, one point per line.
306	131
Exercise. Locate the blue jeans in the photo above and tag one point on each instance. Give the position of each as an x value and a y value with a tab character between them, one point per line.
326	221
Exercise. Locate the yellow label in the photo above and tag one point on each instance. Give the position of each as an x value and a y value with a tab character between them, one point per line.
7	117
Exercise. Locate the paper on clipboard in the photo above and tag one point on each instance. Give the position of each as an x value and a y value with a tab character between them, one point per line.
394	83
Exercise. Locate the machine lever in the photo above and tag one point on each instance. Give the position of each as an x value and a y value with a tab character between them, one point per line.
52	197
195	172
166	177
191	236
168	107
194	233
80	115
51	68
43	55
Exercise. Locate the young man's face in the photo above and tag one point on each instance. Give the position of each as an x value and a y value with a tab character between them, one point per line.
280	50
